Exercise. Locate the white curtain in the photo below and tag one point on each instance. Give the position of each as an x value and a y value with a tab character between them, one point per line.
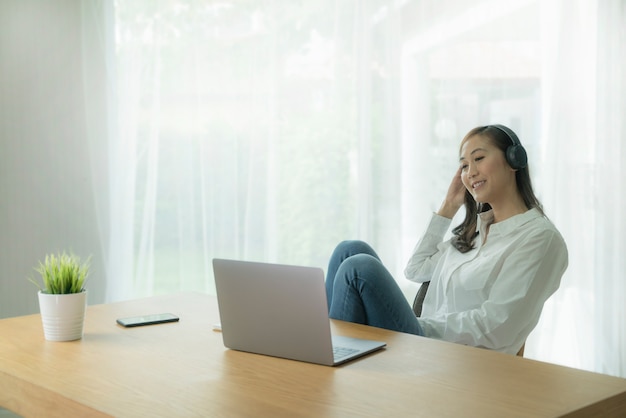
583	111
271	130
53	141
608	201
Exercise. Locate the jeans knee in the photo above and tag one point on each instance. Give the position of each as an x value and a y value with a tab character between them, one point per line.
353	247
363	259
360	264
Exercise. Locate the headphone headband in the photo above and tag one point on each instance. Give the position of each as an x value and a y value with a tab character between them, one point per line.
509	132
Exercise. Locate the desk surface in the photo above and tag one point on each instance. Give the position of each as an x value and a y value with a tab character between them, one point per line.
182	369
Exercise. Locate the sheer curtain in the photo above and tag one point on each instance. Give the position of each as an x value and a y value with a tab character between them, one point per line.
271	130
582	183
609	203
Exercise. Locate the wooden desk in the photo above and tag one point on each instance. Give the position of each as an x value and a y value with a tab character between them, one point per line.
182	369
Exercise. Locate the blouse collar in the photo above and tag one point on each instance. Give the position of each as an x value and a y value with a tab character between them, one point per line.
486	218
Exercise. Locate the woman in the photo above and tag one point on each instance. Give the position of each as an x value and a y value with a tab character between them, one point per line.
489	282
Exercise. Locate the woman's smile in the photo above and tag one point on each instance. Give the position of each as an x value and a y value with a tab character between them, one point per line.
478	184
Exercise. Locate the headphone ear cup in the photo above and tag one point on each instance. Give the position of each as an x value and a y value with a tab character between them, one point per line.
516	156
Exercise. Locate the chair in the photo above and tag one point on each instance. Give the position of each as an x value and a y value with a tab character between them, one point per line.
419	301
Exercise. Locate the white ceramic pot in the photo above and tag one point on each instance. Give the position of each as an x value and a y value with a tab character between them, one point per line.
63	316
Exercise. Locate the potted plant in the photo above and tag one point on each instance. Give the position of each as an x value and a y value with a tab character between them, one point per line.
62	296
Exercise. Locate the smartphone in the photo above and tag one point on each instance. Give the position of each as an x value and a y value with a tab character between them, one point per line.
137	321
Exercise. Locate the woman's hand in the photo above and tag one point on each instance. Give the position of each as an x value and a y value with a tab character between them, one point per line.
454	198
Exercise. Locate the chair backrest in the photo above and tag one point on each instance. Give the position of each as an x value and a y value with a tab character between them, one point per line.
419	301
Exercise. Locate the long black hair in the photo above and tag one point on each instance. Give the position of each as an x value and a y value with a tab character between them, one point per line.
465	233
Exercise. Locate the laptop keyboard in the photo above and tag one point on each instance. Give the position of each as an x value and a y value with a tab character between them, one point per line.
341	352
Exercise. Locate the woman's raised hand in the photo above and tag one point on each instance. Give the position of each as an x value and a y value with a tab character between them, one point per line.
454	198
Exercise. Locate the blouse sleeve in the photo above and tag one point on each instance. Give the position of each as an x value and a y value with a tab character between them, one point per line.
428	250
528	277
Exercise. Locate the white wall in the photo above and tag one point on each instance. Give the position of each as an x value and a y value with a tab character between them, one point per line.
47	180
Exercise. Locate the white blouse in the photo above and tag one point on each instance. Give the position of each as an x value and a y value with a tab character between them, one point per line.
491	296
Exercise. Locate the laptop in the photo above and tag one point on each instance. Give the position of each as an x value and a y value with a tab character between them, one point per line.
281	311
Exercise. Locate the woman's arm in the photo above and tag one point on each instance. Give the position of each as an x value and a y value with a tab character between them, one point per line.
428	250
426	253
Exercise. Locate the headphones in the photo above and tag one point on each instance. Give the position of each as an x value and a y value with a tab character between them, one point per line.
515	154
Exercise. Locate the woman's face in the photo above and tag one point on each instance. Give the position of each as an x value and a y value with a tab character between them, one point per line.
484	170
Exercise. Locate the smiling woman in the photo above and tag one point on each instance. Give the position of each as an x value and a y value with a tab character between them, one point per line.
489	283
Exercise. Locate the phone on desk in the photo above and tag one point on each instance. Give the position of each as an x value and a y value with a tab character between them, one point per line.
137	321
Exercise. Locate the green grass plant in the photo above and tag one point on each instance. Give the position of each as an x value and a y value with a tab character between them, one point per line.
62	274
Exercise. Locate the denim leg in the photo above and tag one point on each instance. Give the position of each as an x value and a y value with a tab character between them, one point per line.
364	292
344	250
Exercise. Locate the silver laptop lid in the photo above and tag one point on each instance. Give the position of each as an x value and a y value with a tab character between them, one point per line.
273	309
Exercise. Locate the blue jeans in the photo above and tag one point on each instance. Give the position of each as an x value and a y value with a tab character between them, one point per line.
361	290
